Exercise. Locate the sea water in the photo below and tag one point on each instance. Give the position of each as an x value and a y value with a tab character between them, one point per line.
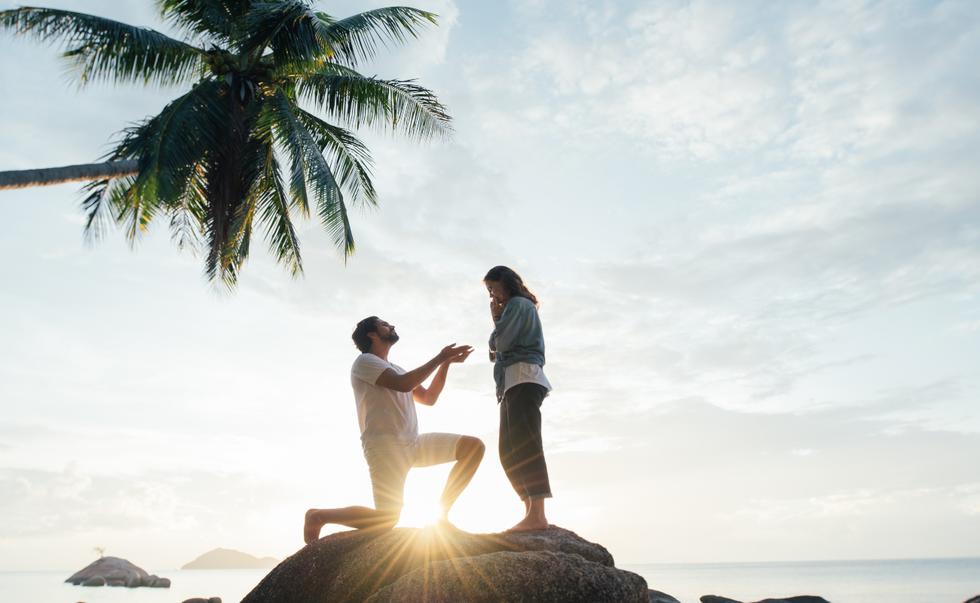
877	581
886	581
49	587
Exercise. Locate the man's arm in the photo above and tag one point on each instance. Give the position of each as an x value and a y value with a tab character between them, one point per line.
429	395
413	378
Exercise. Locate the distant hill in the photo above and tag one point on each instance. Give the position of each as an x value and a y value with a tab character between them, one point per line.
229	559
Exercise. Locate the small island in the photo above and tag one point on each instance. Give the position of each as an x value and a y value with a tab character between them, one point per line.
230	559
114	571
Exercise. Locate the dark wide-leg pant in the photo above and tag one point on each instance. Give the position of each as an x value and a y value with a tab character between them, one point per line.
521	448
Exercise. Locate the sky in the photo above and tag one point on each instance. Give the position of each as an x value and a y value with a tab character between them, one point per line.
754	229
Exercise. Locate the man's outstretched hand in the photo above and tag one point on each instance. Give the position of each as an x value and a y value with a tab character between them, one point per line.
454	353
462	356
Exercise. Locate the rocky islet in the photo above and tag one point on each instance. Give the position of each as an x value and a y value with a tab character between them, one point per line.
115	571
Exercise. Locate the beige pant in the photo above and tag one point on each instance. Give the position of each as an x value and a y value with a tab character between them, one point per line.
390	459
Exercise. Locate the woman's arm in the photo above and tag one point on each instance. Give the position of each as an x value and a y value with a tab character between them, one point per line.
496	310
516	317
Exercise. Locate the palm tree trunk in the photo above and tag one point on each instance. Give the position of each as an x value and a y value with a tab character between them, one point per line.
68	173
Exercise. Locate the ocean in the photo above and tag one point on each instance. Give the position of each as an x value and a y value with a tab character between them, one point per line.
885	581
48	587
878	581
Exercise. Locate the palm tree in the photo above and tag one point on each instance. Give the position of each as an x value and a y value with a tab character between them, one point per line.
238	149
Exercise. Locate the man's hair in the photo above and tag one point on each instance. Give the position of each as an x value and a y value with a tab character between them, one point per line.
360	334
511	281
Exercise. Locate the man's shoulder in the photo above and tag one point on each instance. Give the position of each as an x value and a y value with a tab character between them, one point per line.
369	359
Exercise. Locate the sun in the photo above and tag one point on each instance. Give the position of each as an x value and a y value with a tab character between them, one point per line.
422	491
487	504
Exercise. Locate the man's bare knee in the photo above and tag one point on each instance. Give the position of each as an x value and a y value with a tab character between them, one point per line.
387	519
470	448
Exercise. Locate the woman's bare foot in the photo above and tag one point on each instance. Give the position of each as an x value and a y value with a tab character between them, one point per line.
534	519
311	527
530	523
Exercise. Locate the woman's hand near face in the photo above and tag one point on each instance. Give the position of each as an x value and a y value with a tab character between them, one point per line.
496	309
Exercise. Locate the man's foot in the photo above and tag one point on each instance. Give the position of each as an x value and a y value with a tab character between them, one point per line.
530	524
311	527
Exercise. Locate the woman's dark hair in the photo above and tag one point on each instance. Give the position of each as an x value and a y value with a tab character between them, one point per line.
511	281
360	334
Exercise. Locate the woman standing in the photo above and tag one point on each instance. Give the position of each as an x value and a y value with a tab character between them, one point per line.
517	349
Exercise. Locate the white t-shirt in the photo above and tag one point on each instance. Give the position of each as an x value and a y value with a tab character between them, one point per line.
525	372
381	412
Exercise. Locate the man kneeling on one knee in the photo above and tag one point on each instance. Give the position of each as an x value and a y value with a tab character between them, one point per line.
385	395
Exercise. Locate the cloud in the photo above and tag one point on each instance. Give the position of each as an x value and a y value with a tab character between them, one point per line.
785	485
700	80
70	501
159	519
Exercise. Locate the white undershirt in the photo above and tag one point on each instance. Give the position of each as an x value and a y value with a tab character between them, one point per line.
525	372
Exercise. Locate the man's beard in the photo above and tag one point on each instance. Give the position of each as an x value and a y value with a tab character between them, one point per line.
391	337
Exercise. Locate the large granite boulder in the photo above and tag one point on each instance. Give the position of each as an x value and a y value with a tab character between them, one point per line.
113	571
507	576
449	565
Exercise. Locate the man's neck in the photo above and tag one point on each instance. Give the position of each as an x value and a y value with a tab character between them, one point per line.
381	350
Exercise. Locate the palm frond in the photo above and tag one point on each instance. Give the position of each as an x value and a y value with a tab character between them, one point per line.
238	243
190	214
358	101
268	128
289	27
272	204
115	201
175	152
331	209
174	143
356	38
103	49
350	158
105	199
214	20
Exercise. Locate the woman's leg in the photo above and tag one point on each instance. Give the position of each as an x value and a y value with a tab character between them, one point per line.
527	462
505	446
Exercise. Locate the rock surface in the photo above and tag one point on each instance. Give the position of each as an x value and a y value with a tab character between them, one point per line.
113	571
449	565
552	576
230	559
658	597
